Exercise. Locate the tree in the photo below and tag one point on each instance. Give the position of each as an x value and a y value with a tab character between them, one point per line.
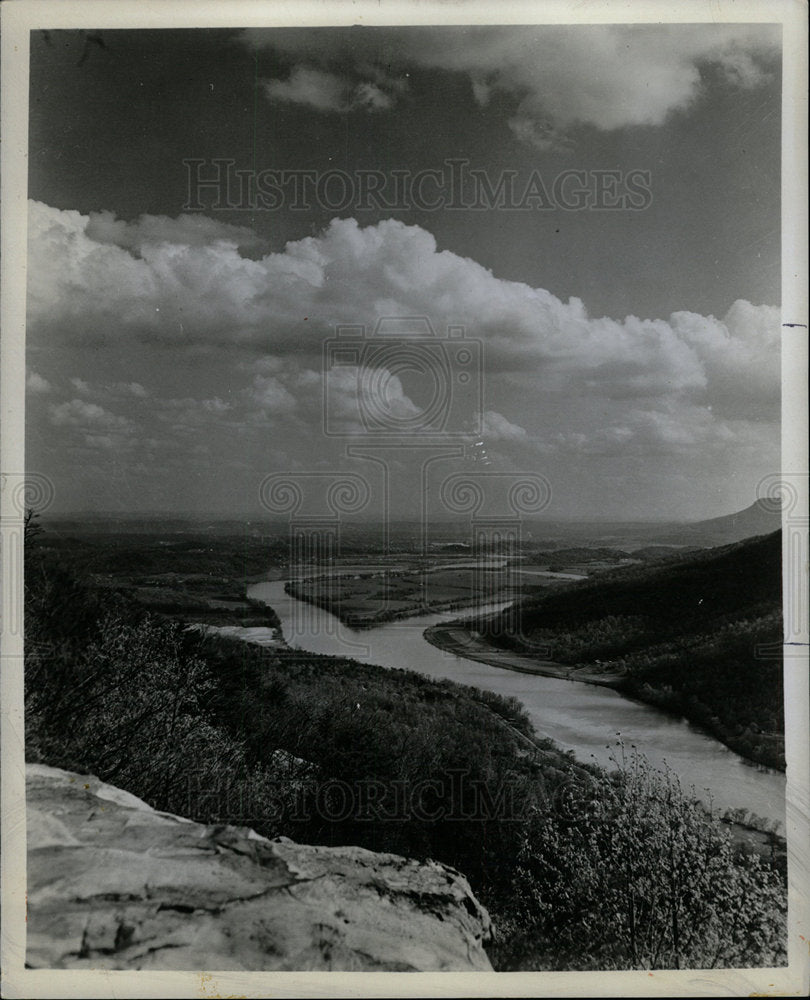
634	873
31	526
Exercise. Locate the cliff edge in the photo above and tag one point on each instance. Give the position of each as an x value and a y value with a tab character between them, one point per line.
113	884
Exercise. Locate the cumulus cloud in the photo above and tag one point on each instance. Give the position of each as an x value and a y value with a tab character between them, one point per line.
558	381
343	400
103	441
190	415
185	294
740	356
606	76
130	389
83	415
270	396
185	230
495	427
653	430
537	131
322	91
326	91
107	392
36	383
370	96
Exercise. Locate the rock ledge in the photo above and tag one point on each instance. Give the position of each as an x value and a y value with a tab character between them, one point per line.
113	884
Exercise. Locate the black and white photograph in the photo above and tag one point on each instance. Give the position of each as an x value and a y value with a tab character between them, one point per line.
404	500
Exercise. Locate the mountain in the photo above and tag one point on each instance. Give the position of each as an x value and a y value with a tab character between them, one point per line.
762	518
697	588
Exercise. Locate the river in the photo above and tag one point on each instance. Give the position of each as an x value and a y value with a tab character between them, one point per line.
578	717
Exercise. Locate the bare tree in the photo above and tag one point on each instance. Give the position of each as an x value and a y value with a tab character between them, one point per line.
31	526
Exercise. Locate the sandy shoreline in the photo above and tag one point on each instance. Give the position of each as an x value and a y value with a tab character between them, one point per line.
457	639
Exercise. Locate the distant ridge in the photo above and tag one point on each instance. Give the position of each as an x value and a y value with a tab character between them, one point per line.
763	517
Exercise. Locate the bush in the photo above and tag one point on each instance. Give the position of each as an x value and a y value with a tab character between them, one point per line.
639	871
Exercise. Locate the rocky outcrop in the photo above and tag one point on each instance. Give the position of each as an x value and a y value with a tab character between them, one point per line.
112	884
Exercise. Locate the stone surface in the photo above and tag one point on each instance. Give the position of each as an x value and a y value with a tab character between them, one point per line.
113	884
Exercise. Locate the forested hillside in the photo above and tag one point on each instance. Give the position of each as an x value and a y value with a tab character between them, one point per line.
699	635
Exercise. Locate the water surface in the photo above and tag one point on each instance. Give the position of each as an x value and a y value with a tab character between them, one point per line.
578	717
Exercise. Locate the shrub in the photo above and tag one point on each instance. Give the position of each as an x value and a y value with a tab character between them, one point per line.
635	874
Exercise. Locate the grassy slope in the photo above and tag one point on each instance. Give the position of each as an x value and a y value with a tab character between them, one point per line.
698	635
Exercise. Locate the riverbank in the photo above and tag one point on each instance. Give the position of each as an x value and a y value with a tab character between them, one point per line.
698	637
584	718
198	598
460	640
455	638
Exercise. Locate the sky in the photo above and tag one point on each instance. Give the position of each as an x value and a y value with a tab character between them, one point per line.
607	317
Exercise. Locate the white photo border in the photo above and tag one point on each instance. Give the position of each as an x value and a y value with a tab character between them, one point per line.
19	17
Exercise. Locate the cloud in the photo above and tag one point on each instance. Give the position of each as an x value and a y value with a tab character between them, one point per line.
103	441
109	391
740	356
97	427
190	415
497	428
270	396
559	384
360	397
371	97
79	413
538	131
130	389
151	230
326	91
558	77
317	403
741	68
36	383
83	291
654	430
319	90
